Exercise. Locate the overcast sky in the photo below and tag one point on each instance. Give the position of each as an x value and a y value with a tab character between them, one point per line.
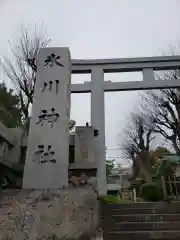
99	29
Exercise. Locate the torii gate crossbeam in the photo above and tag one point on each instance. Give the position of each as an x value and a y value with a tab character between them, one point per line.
98	86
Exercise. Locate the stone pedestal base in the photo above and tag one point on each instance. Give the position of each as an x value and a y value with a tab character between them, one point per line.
59	214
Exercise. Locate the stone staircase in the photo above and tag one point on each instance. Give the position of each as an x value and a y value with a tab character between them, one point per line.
141	221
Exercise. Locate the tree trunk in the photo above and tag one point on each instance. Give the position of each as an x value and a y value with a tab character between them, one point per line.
145	165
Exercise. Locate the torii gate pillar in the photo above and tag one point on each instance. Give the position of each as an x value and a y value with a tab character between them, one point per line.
98	122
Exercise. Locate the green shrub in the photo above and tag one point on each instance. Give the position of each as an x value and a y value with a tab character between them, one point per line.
137	183
151	192
110	199
113	200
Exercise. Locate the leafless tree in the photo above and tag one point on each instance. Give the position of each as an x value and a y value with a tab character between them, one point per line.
21	66
137	143
162	108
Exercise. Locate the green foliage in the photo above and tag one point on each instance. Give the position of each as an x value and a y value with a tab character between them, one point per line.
110	164
168	166
151	192
158	154
113	200
10	113
72	124
137	183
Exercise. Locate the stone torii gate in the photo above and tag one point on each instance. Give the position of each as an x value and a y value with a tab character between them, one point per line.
96	87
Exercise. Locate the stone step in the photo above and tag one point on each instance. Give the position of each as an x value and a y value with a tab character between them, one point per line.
142	235
145	217
130	226
164	209
142	205
141	211
141	221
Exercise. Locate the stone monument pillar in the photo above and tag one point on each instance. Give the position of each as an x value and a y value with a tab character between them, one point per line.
84	145
47	155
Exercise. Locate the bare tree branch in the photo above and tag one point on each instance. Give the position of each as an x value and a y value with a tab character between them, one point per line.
162	107
137	142
21	67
